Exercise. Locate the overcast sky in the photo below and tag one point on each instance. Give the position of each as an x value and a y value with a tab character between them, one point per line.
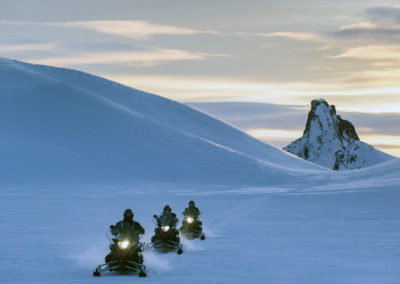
277	52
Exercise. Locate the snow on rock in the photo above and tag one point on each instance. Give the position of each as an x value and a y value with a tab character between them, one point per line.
60	125
332	142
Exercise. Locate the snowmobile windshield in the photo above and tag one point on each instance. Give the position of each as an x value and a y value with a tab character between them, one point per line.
130	235
165	220
192	212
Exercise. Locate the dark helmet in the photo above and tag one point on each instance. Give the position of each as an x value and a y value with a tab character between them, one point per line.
167	208
191	203
128	213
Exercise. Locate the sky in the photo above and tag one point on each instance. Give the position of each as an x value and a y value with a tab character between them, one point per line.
239	60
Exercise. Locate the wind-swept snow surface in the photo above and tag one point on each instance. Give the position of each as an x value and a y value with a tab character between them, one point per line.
59	125
319	232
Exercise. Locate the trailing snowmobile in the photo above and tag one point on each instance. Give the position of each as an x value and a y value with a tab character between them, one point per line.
192	228
166	236
126	255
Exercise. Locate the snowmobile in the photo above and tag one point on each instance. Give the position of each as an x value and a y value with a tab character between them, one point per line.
125	256
192	228
166	237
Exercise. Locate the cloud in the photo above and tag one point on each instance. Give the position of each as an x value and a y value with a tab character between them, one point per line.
298	36
350	89
73	51
279	134
8	48
381	24
256	116
384	14
388	142
281	124
360	25
373	33
388	146
268	45
319	68
374	42
293	117
139	30
372	52
368	26
382	76
303	36
140	58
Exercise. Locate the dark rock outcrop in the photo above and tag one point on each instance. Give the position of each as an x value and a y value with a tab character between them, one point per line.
331	141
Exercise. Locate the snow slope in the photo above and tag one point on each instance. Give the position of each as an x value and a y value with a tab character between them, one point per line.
61	125
330	141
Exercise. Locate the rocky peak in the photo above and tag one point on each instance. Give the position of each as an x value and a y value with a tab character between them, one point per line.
328	121
331	141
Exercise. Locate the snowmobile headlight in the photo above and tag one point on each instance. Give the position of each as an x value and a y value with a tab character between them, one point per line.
189	220
165	228
123	244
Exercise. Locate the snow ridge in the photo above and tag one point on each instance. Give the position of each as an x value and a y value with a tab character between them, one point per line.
332	142
65	126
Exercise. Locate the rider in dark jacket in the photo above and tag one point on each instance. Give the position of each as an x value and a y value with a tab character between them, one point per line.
171	219
127	226
192	210
167	213
192	227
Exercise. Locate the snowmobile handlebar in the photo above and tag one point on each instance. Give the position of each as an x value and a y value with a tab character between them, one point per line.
189	215
112	237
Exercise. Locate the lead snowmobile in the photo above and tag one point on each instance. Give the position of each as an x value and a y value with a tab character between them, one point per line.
126	255
166	236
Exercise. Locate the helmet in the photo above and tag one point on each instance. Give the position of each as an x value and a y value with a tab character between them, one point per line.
191	203
167	208
128	212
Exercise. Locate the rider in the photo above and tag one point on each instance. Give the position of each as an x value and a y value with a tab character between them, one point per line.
127	228
193	212
167	213
171	219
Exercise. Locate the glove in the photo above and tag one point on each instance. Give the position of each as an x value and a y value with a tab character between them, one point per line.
155	216
112	227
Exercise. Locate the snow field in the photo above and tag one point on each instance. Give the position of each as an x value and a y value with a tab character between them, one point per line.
54	235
